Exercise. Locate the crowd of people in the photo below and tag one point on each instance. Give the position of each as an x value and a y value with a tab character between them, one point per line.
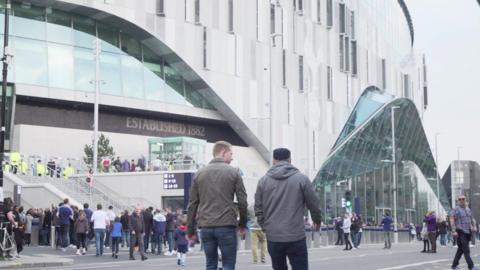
149	230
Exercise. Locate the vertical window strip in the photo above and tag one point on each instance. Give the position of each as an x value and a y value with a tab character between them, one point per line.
300	73
272	19
329	83
160	8
197	11
230	16
284	69
329	14
205	64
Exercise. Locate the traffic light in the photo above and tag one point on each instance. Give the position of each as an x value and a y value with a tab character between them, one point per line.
348	199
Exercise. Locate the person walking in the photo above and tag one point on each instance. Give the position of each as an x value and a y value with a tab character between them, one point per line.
257	236
116	236
137	231
111	217
125	220
463	224
212	201
148	220
387	230
100	222
431	221
347	225
81	228
182	243
280	199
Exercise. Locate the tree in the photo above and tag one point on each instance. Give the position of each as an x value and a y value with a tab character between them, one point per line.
104	151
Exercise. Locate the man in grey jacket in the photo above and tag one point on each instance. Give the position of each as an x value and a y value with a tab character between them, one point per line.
211	206
280	201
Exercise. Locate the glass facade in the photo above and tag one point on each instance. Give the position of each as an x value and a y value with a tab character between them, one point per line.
54	49
361	162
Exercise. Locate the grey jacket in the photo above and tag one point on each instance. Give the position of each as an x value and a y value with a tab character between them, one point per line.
211	197
280	201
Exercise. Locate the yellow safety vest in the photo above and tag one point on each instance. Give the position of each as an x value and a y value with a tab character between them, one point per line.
40	169
68	171
6	168
15	158
24	167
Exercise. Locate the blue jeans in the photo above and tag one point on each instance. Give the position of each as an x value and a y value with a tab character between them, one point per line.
295	251
170	241
443	239
224	238
99	240
125	238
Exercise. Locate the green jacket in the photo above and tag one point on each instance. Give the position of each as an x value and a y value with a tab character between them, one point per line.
211	197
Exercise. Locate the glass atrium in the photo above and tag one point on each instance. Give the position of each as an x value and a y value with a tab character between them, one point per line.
361	162
54	49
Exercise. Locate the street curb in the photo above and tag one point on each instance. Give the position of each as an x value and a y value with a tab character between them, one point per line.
16	265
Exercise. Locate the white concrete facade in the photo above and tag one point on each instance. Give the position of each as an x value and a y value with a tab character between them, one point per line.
295	92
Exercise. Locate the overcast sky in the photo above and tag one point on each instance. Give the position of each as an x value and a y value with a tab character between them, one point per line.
448	32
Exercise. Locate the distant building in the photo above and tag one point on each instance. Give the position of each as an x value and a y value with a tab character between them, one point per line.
463	177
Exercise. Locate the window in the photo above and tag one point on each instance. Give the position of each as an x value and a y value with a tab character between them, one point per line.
319	11
352	24
59	28
300	73
341	49
329	13
131	46
31	61
406	85
86	31
197	11
300	7
272	19
329	83
60	66
230	16
354	58
284	69
347	53
205	64
342	18
384	74
160	8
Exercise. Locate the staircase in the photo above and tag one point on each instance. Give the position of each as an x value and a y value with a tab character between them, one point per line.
77	188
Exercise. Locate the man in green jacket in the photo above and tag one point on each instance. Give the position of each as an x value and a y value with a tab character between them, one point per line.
211	206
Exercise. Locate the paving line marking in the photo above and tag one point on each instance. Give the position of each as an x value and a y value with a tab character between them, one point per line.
413	264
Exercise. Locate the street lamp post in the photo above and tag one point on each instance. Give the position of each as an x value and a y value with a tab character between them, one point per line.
394	170
438	175
270	105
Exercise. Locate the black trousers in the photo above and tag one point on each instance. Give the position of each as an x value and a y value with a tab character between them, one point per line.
463	247
339	237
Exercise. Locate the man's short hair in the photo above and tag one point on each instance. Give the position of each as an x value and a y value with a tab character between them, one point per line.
220	147
99	206
65	201
110	207
281	154
85	205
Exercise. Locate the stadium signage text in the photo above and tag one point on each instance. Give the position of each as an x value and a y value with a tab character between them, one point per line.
165	127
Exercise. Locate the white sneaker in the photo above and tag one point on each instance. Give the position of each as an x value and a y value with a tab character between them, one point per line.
78	252
84	251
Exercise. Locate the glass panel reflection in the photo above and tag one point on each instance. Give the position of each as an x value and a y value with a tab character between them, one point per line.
30	61
60	66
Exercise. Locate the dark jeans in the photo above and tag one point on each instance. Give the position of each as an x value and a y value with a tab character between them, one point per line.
224	238
125	239
81	240
115	243
64	231
146	240
136	239
463	240
295	251
348	244
339	237
18	236
157	243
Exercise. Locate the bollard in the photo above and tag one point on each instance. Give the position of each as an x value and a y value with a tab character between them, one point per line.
308	236
35	235
52	237
248	241
316	238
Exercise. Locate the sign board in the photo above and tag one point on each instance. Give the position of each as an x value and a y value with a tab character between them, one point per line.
173	180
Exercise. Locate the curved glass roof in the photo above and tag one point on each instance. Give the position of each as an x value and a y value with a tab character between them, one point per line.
53	48
365	144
